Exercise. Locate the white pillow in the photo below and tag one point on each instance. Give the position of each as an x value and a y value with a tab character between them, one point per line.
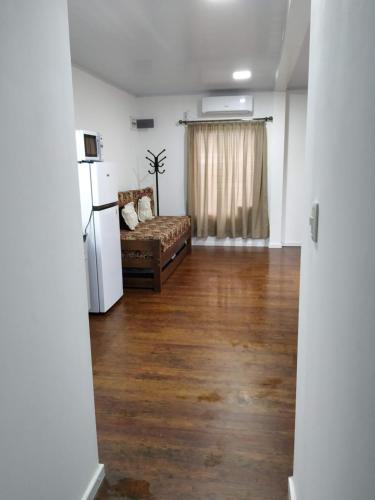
130	216
144	209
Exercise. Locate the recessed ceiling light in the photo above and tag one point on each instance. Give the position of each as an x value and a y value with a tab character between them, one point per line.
242	75
242	100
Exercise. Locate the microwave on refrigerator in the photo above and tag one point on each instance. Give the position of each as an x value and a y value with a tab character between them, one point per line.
89	146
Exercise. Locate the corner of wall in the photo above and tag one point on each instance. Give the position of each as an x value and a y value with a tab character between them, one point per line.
276	167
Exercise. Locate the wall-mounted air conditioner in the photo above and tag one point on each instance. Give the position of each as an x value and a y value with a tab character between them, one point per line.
228	104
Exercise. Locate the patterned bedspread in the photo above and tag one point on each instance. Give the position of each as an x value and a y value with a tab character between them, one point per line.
166	229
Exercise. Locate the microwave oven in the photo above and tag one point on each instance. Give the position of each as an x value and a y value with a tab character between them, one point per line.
89	146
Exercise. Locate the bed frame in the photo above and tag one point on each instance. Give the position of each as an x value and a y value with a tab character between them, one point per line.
153	271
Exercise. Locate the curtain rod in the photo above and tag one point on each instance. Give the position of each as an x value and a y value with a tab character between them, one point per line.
265	119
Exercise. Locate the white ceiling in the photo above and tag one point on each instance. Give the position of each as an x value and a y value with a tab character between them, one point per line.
151	47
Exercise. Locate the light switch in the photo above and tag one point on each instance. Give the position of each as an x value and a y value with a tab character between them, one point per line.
314	221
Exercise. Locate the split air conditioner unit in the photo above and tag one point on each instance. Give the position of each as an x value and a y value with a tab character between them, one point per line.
233	104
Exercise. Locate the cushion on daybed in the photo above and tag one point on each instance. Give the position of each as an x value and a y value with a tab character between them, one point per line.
167	229
144	209
130	216
134	195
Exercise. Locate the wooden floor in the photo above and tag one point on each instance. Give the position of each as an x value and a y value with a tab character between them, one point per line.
195	386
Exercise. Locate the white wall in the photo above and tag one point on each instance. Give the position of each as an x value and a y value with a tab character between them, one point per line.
335	438
48	444
167	110
294	191
104	108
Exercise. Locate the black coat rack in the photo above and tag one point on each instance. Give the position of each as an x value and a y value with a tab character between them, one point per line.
156	165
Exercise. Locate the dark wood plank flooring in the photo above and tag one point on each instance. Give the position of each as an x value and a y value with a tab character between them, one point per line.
195	386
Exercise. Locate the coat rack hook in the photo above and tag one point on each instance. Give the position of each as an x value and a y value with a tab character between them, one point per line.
156	164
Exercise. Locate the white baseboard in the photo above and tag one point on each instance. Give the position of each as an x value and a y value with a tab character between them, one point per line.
211	241
94	484
292	244
275	244
236	242
291	489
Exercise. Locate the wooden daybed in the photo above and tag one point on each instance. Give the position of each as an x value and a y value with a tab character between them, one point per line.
155	248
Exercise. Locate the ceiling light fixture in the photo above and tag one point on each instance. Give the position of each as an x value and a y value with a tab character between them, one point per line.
242	75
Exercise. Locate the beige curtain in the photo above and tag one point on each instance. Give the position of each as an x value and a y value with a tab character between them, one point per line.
227	179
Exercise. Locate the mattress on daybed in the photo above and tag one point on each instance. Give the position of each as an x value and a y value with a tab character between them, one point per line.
167	229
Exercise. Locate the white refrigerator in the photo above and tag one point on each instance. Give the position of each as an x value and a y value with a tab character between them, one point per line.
100	224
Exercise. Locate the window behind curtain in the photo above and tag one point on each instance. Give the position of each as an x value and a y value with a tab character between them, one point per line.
227	179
